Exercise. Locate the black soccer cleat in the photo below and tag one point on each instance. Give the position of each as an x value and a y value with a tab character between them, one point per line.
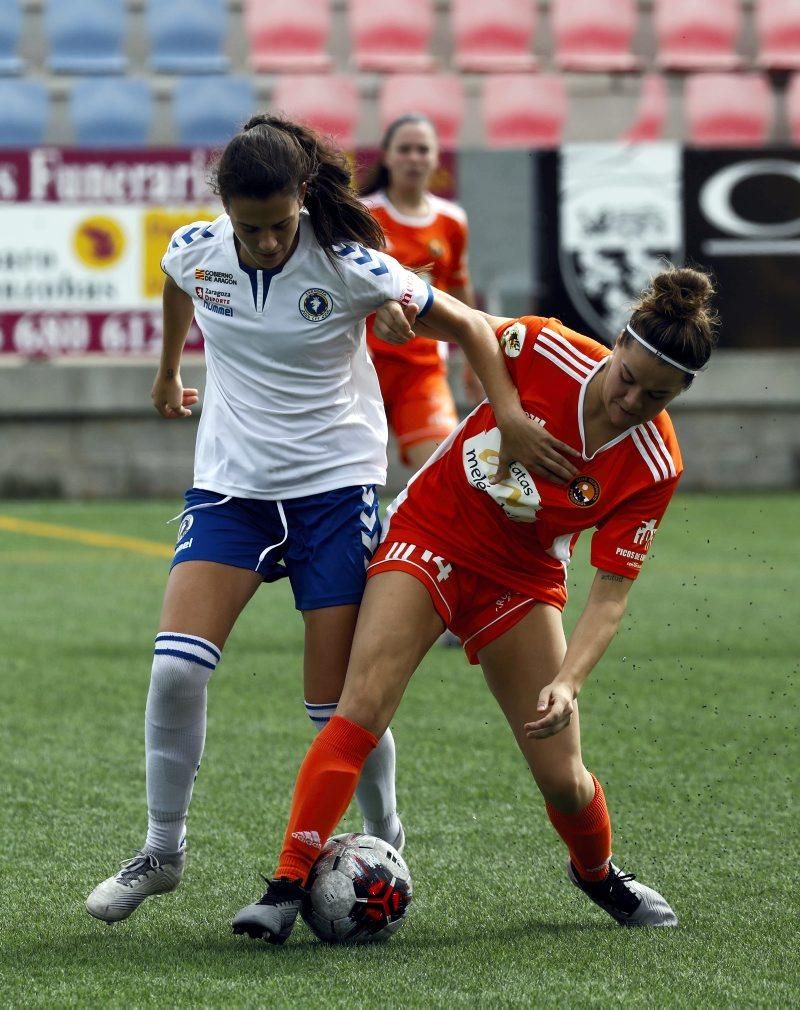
625	899
272	917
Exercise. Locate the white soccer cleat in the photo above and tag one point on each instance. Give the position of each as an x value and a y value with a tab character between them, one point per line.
625	899
138	878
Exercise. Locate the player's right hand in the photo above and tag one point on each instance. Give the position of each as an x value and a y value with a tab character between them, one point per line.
170	398
394	322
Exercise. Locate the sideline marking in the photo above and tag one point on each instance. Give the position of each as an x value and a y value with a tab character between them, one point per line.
91	537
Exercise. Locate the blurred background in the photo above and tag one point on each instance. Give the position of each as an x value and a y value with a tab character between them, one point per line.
587	142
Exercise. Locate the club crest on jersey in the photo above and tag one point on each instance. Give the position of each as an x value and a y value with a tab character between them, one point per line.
584	491
315	304
513	339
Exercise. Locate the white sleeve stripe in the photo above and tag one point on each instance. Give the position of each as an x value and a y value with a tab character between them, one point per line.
663	447
564	354
557	361
570	347
651	445
637	441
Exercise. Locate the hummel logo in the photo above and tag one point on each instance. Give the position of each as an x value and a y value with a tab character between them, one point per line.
308	838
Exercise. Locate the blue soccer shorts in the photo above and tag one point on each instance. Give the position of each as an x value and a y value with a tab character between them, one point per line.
322	542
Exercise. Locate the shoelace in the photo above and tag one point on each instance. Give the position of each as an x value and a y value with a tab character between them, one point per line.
133	868
281	891
621	895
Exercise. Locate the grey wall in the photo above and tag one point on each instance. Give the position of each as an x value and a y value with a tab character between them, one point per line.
78	430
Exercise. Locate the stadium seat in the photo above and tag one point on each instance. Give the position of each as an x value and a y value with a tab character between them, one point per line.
85	36
728	110
594	36
389	36
793	108
524	110
209	110
778	30
10	36
327	102
651	112
188	36
493	37
111	112
285	35
440	97
24	110
692	35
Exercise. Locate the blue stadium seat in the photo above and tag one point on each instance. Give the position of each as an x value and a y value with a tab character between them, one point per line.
10	34
111	112
208	110
85	36
24	107
188	36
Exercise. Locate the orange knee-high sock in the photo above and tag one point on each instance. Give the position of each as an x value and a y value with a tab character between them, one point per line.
587	835
325	785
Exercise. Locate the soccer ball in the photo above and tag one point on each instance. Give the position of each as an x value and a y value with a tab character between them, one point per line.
359	890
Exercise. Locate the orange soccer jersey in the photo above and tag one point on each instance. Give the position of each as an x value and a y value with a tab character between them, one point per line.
436	247
522	531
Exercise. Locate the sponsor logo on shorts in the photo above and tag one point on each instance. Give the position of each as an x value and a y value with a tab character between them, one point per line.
502	601
315	304
214	276
186	544
186	524
584	491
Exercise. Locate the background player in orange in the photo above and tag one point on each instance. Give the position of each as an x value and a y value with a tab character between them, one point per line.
428	235
489	560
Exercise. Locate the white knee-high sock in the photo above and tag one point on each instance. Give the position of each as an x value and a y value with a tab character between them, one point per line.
375	793
175	733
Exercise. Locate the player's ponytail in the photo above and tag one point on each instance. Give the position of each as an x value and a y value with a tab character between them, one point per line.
676	318
274	155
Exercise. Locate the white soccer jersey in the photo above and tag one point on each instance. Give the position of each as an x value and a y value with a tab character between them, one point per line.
292	405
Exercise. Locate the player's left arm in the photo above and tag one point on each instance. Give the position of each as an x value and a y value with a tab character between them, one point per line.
596	627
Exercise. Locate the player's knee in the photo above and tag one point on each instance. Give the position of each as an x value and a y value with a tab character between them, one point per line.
562	787
182	665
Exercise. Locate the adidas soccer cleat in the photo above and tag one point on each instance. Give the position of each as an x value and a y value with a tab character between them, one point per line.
625	899
146	874
271	918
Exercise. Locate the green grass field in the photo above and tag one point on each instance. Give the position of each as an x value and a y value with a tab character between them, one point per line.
691	722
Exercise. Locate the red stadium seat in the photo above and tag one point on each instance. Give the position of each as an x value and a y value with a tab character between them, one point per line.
391	36
493	37
327	102
440	97
524	110
285	35
793	108
728	110
594	36
692	35
778	28
651	113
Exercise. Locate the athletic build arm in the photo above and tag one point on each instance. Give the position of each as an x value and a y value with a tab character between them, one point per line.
169	397
593	633
522	440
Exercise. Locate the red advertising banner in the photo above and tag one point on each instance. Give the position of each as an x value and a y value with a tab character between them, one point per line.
82	234
81	240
